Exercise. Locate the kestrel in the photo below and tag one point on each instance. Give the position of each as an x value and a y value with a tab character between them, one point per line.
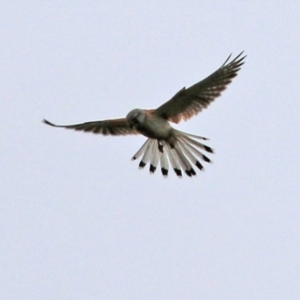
165	144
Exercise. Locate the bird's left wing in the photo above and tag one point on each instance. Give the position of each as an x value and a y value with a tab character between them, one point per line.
105	127
189	102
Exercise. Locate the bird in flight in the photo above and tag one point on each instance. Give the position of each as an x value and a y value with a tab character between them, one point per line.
165	144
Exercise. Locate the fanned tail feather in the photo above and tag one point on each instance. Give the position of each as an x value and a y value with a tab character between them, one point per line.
182	155
173	160
148	152
164	162
154	159
191	156
141	150
187	138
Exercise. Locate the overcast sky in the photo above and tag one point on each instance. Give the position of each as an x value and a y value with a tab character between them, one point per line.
78	220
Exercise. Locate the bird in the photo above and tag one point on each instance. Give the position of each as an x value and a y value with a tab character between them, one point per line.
166	145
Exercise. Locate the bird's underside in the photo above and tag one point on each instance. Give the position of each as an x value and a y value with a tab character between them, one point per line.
166	145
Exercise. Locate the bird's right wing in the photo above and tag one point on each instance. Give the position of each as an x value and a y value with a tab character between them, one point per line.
105	127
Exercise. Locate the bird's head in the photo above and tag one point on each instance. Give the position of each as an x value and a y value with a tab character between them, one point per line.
135	118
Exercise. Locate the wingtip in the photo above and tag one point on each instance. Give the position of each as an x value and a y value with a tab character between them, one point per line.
241	56
48	123
238	59
243	52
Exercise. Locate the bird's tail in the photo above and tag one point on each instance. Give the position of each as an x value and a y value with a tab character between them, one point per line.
182	155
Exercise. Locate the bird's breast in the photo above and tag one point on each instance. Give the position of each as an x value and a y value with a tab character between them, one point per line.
155	127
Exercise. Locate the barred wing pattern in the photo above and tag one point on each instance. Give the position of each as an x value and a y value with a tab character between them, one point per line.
189	102
106	127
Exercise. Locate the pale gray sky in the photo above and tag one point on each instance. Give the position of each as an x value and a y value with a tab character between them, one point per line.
78	220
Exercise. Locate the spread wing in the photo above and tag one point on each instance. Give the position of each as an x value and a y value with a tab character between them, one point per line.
189	102
106	127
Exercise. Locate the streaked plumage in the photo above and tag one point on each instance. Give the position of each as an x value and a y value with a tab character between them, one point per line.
166	145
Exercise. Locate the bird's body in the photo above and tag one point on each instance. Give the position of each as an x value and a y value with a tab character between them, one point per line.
149	124
165	144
